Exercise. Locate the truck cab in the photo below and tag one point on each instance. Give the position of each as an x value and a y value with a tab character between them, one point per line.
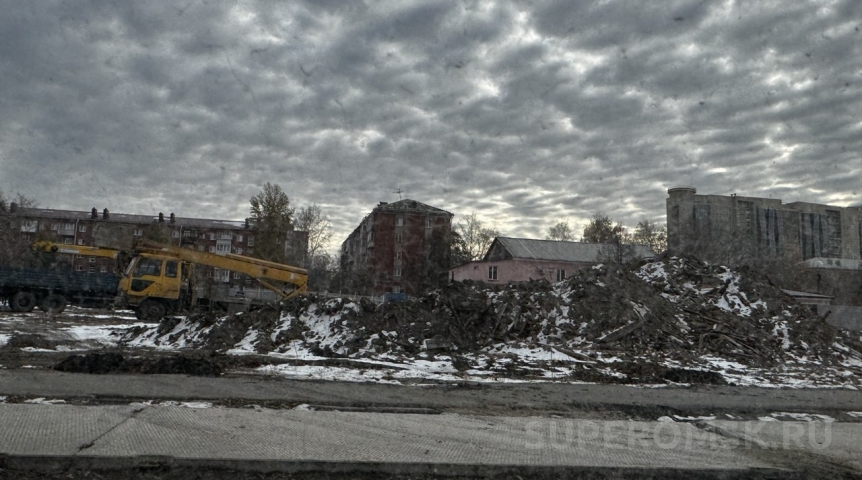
152	285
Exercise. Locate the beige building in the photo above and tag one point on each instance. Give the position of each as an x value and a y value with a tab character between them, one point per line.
708	225
818	246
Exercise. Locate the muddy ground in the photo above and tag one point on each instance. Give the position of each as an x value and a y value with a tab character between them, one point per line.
32	367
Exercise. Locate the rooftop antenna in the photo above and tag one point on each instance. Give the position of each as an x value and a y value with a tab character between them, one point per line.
398	191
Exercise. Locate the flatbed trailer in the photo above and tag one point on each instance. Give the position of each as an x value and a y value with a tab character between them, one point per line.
26	288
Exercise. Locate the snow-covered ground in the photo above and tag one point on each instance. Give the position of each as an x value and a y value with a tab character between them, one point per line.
560	343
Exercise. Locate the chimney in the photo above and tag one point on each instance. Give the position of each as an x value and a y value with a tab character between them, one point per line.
246	222
13	207
173	218
106	214
94	213
2	207
161	217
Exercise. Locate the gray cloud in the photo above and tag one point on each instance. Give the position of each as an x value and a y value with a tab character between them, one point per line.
523	114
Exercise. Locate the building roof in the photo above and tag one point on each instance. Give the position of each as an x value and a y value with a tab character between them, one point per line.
556	250
53	214
410	206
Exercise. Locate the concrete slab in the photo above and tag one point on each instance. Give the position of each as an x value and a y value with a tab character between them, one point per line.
361	438
43	429
840	442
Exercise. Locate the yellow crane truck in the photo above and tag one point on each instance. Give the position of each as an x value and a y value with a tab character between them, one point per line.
159	279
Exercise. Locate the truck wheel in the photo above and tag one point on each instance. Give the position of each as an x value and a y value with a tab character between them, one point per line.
23	302
150	310
53	304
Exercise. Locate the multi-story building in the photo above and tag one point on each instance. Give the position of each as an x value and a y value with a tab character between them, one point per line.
393	248
819	246
119	230
763	226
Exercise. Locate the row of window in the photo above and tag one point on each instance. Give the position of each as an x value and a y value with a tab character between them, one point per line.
399	222
492	273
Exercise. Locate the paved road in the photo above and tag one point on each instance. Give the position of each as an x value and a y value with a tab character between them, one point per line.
584	400
106	437
544	430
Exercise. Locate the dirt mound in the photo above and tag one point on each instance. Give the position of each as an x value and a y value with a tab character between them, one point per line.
664	320
110	362
99	363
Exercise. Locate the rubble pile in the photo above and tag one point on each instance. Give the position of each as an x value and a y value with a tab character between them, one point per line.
678	313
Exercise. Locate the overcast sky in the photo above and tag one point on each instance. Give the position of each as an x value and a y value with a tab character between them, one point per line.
524	112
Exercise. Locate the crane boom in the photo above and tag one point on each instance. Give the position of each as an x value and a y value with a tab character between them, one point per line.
261	270
75	249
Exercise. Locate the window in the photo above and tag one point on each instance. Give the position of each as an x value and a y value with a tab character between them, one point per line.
397	272
80	241
212	236
236	276
92	259
222	246
371	236
250	241
201	248
148	266
212	249
79	268
492	273
171	269
67	241
239	251
103	269
239	238
396	289
91	269
398	238
251	251
398	255
225	236
429	223
30	226
399	222
175	234
561	275
82	228
139	232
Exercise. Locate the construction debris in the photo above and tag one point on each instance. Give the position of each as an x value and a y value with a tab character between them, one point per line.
676	320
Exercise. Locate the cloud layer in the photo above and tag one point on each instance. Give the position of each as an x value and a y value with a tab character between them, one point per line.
524	114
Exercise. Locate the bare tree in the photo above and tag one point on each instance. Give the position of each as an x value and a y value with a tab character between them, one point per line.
17	232
652	235
476	237
312	220
272	217
599	230
618	249
321	272
561	232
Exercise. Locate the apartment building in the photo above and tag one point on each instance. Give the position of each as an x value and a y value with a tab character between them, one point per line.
765	226
389	250
121	231
819	246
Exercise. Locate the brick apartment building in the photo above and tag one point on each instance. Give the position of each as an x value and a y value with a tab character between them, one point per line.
390	249
113	230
